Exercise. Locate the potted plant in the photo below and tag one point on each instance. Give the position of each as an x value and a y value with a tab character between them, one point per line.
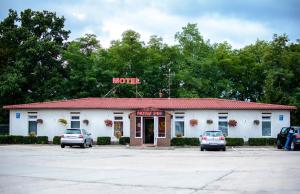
193	122
209	121
256	122
232	123
108	123
39	121
118	134
85	121
63	121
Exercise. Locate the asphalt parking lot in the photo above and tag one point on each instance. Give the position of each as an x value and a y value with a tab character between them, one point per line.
50	169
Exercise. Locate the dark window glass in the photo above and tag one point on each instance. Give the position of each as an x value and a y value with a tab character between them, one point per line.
138	127
75	124
161	127
179	128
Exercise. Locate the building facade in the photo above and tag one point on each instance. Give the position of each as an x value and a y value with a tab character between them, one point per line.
149	120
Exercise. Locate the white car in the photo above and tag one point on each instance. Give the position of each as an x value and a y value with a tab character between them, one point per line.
213	139
76	137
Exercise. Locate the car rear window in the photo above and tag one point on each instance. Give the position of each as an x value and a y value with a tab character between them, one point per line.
73	131
213	133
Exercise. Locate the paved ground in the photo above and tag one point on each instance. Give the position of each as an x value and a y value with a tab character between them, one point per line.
50	169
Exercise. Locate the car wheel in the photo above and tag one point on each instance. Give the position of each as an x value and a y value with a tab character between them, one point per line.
83	145
62	146
292	146
224	149
202	149
91	144
278	143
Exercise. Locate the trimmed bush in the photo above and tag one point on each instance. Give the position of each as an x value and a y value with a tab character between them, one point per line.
261	141
182	141
42	140
30	140
11	139
124	140
56	140
103	140
232	141
17	139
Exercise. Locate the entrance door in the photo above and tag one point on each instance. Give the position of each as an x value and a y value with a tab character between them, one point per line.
148	130
32	127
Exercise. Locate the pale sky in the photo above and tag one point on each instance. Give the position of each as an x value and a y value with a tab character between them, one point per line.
239	22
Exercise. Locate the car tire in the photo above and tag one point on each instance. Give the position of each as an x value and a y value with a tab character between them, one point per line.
83	145
91	145
202	149
62	146
278	143
224	149
293	146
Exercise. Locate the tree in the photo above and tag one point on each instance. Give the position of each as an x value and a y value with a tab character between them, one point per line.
30	50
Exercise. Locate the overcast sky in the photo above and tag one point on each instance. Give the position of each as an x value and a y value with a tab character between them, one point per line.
240	22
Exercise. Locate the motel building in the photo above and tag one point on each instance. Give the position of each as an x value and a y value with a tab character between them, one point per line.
149	120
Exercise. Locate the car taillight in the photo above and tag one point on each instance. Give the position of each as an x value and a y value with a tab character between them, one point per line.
204	138
80	136
222	138
62	136
298	136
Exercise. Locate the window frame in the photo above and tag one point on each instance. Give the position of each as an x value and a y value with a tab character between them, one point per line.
118	120
223	117
75	117
165	130
179	117
266	119
141	127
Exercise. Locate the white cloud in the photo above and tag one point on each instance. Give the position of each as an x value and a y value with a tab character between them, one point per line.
110	18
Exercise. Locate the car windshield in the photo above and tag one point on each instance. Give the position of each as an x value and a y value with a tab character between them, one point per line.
73	131
213	133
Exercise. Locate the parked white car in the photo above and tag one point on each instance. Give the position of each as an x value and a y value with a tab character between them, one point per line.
213	139
76	137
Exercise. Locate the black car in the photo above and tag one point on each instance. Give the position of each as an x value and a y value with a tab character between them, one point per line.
282	135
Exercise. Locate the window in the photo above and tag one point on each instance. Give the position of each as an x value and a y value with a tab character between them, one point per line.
138	127
75	121
223	124
179	125
161	127
32	124
266	125
118	125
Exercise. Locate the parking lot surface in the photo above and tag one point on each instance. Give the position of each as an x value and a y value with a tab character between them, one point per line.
49	169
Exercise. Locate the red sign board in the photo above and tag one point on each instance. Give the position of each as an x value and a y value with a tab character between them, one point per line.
127	80
150	113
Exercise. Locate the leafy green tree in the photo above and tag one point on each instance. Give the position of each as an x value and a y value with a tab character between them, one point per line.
30	48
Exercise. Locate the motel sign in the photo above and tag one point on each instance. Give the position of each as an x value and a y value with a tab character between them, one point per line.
128	80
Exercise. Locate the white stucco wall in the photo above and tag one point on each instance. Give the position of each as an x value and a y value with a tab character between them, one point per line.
51	127
245	127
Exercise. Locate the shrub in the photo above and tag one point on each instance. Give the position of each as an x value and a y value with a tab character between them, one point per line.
232	141
63	121
4	139
182	141
56	140
124	140
30	140
103	140
17	139
42	140
261	141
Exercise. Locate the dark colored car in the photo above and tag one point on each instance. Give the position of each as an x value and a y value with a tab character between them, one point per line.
282	136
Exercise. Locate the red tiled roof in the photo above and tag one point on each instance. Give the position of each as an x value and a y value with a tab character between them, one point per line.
141	103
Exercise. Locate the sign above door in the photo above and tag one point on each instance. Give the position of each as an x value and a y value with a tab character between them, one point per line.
150	113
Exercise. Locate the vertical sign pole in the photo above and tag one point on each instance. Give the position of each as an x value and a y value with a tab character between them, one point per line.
169	82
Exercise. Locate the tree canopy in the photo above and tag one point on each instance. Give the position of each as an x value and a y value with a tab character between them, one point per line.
38	63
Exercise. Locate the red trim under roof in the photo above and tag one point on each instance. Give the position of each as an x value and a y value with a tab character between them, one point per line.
159	103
